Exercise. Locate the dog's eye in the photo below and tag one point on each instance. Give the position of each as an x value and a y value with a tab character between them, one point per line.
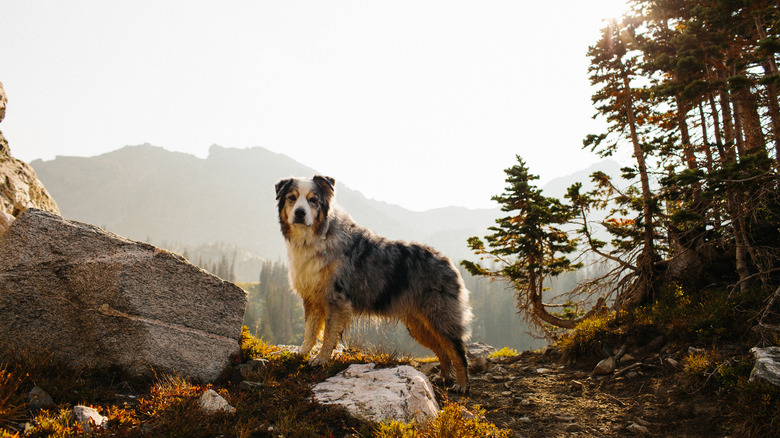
313	200
291	198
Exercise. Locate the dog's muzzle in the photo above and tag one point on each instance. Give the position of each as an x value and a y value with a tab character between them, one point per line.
300	216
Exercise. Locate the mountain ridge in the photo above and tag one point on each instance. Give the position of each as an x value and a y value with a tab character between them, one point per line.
149	193
146	192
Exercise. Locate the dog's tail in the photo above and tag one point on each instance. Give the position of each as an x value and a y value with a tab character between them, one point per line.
466	316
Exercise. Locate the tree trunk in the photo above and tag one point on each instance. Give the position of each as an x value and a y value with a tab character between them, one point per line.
705	143
685	138
774	111
733	204
750	121
647	258
728	127
540	311
738	128
716	126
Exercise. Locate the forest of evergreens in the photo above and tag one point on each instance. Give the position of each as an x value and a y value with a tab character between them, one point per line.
690	89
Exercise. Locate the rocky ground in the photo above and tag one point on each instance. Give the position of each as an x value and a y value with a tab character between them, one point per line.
539	395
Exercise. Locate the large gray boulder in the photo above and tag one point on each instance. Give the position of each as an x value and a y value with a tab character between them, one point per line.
90	297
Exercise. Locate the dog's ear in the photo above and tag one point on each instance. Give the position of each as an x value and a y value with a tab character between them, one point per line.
326	184
331	181
282	187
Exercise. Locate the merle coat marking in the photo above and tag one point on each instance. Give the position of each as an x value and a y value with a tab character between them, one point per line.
341	270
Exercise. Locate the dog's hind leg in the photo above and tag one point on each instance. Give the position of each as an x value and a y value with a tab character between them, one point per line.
450	341
456	350
420	329
336	321
314	317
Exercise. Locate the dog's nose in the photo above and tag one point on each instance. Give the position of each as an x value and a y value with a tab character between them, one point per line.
300	213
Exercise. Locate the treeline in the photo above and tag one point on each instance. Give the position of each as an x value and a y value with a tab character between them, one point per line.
275	314
226	261
690	88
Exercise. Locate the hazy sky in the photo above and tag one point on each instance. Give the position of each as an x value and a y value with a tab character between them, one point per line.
418	103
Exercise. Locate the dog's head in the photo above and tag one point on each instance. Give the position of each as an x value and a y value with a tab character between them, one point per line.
304	203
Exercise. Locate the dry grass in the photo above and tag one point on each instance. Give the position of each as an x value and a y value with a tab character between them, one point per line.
167	406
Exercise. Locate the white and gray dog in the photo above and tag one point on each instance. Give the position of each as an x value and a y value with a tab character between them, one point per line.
341	269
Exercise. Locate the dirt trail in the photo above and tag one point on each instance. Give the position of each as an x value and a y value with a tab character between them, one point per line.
537	396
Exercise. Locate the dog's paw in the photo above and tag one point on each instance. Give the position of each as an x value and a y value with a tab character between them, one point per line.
318	361
459	389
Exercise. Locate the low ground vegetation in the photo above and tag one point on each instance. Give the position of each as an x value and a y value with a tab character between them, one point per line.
164	405
682	368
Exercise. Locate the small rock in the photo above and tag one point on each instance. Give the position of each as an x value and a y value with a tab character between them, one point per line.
496	378
642	422
86	417
661	392
627	358
655	344
767	365
543	371
247	385
506	393
672	362
37	398
524	420
573	427
631	374
497	369
212	403
606	366
694	350
479	349
637	429
576	385
252	366
400	393
429	368
478	365
580	375
564	418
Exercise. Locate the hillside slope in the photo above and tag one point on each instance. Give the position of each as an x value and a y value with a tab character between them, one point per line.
148	193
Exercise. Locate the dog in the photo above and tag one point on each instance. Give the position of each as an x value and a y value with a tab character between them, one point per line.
341	270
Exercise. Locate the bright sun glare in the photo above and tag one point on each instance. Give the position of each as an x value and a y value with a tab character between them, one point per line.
611	8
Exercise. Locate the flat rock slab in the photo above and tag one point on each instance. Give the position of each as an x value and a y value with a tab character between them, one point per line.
400	393
90	297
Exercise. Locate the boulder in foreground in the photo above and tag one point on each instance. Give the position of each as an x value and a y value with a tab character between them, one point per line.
89	297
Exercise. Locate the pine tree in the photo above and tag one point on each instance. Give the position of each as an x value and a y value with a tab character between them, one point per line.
614	64
529	246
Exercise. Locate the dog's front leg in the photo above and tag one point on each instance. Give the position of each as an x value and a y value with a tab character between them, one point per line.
314	319
336	321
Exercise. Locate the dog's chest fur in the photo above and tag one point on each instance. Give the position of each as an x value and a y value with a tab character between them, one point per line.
311	268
